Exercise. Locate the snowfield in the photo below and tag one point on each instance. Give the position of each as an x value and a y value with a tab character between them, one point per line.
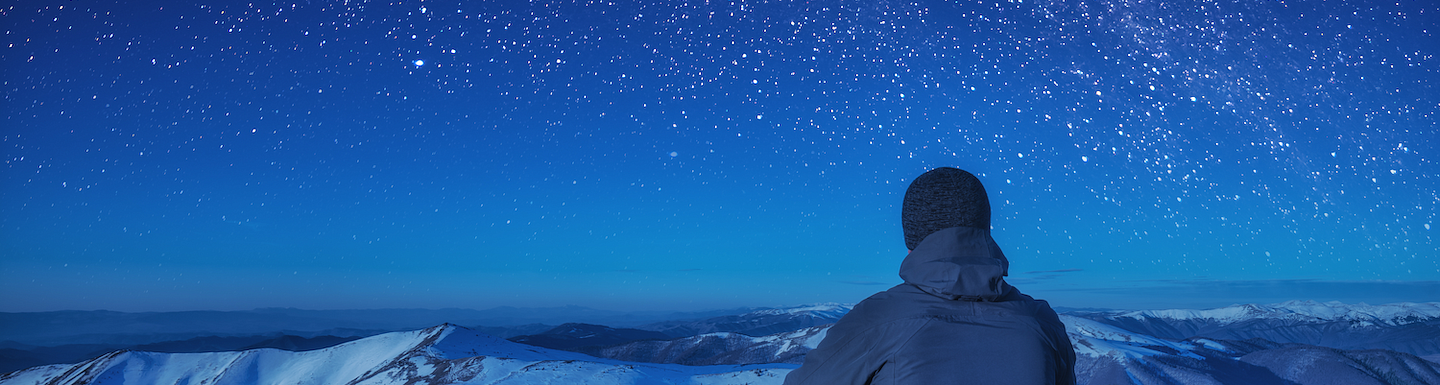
1359	315
1304	343
445	354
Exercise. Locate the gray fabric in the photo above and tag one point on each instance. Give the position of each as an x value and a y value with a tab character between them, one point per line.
958	263
953	321
940	199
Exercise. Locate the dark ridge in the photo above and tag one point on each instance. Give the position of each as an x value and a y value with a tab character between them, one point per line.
573	336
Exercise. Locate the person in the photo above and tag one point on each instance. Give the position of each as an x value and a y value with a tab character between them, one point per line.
954	320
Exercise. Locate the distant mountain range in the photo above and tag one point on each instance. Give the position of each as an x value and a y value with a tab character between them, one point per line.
1404	327
1110	354
31	339
762	336
755	323
575	336
1292	343
1299	342
445	354
590	339
118	328
722	348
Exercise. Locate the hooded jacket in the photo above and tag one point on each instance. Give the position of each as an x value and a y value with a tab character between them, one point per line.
953	321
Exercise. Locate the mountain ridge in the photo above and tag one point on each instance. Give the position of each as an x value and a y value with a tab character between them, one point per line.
1108	347
757	322
111	327
441	354
1406	327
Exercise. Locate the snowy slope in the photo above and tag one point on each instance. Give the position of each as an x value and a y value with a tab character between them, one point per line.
443	354
828	310
1097	339
722	348
1107	354
1395	314
1111	347
1403	327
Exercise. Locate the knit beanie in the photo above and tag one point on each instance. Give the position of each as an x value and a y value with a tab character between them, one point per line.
940	199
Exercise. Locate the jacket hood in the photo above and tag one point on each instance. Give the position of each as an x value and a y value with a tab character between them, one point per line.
958	263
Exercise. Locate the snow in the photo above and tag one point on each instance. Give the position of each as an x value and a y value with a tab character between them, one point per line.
449	354
814	340
1100	340
1212	345
783	343
809	338
1361	314
443	354
828	310
755	376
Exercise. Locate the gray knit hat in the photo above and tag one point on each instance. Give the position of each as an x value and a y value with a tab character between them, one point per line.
940	199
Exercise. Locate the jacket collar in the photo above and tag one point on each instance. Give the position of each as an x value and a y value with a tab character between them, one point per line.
958	263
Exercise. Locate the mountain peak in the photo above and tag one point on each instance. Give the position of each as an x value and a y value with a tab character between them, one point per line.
442	354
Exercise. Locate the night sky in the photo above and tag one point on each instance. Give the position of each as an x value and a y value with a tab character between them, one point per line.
658	155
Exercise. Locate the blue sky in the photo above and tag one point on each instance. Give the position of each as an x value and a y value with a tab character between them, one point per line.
637	155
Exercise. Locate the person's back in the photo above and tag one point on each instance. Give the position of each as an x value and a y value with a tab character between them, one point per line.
954	320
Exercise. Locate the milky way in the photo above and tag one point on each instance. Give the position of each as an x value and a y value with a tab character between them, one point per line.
650	154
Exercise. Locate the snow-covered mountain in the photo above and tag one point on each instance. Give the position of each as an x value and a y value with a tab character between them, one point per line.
1111	354
1358	315
1106	354
443	354
1404	327
721	348
120	328
756	323
14	356
1111	348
